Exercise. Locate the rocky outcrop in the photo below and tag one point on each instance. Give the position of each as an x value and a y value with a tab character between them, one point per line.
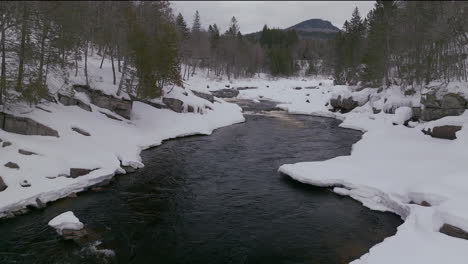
226	93
24	126
68	101
175	105
3	186
444	132
110	116
11	165
453	231
343	105
25	152
205	96
6	144
77	172
449	105
120	106
81	131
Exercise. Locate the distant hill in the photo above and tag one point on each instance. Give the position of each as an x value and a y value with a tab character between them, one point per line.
310	29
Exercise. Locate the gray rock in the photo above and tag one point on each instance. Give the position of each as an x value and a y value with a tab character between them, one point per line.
205	96
190	109
24	126
77	172
25	184
450	105
11	165
68	101
40	204
226	93
453	231
69	234
175	105
6	144
311	87
416	112
3	186
110	116
120	106
246	88
344	105
452	101
155	105
25	152
81	131
297	88
444	132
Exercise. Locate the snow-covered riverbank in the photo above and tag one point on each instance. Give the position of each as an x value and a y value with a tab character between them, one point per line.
393	168
92	142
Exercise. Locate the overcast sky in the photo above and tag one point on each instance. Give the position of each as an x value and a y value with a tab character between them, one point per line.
252	15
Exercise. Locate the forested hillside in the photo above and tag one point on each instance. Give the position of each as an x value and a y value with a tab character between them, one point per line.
404	43
149	47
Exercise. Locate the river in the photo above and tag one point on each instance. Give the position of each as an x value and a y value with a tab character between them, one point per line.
215	199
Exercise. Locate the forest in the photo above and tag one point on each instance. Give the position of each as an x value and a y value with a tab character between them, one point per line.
397	43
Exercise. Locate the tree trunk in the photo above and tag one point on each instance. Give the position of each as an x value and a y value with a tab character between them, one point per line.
118	59
113	67
122	78
3	74
41	58
86	63
103	55
19	82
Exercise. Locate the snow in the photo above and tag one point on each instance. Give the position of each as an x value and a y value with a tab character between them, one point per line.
390	168
110	144
402	114
66	220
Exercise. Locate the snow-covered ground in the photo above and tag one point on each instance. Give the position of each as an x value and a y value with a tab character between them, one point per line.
393	168
41	176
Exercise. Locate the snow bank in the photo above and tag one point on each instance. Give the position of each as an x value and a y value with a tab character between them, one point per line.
392	168
111	143
66	220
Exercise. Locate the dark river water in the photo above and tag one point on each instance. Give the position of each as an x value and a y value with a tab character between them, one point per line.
214	199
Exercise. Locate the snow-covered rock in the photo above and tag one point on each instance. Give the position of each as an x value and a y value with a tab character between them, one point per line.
402	114
66	220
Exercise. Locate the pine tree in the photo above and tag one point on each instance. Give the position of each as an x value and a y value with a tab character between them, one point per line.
196	26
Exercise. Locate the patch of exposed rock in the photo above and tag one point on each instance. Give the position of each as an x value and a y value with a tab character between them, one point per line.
3	186
81	131
205	96
444	132
25	152
453	231
120	106
449	105
68	101
11	165
343	105
226	93
77	172
174	104
25	126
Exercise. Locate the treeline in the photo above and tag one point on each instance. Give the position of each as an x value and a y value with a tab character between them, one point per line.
406	43
234	55
139	38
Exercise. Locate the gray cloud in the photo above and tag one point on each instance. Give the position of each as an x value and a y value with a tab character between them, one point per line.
252	15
